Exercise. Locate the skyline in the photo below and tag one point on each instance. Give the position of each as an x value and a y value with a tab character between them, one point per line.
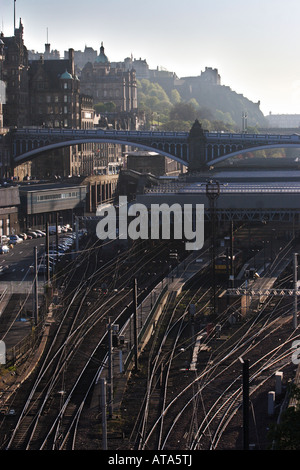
253	46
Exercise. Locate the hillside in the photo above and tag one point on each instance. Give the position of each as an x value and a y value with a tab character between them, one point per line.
213	102
221	99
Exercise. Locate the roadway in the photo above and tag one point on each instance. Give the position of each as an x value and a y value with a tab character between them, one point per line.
21	257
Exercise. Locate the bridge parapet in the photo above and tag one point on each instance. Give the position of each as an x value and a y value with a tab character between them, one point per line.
194	149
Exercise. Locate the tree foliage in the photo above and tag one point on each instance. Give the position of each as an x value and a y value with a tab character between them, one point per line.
108	107
183	112
172	113
286	434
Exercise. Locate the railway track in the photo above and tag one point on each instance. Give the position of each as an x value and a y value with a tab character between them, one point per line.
193	409
56	394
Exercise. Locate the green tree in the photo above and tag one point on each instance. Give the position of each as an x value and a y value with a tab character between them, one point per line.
108	107
183	112
154	101
175	97
286	434
175	126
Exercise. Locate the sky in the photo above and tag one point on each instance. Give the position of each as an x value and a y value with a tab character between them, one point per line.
253	44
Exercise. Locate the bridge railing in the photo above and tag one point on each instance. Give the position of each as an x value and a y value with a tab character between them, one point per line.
103	132
246	137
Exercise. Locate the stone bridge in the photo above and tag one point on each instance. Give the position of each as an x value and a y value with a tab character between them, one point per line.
196	149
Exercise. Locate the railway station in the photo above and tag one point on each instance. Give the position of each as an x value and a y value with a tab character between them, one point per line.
238	196
258	214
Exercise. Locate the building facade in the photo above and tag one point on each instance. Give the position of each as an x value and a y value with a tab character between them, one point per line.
109	84
54	93
9	207
15	76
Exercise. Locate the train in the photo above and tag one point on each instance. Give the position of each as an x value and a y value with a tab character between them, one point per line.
223	263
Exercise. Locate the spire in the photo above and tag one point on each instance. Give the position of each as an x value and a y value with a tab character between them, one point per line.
102	58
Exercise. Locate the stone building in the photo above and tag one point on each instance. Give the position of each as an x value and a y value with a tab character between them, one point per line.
152	162
9	205
55	101
15	75
14	83
110	84
54	93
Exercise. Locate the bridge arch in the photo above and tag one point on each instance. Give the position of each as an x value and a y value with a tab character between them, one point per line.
36	151
250	149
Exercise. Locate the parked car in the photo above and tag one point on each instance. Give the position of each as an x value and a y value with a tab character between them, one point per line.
32	234
43	234
38	233
67	242
23	236
54	253
4	249
14	239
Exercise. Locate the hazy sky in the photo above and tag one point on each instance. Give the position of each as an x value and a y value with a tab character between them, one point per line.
253	44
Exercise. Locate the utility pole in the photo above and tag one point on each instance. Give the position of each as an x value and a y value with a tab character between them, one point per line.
76	231
231	254
135	324
110	369
104	421
212	193
295	290
36	307
56	235
47	254
245	363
